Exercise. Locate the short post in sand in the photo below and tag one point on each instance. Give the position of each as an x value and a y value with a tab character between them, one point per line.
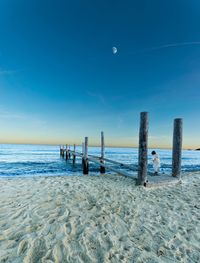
74	155
66	152
102	168
177	147
85	157
143	148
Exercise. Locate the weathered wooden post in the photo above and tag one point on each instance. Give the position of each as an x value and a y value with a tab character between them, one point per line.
102	169
177	147
74	155
85	157
66	152
143	148
69	154
83	147
62	151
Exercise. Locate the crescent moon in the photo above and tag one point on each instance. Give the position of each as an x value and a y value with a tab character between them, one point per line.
114	50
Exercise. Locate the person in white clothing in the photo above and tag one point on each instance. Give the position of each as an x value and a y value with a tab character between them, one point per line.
156	162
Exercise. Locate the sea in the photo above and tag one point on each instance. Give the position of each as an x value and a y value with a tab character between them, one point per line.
44	160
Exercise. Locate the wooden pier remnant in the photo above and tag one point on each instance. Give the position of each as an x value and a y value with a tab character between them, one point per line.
85	162
141	168
74	155
102	168
83	147
143	148
177	147
62	152
67	152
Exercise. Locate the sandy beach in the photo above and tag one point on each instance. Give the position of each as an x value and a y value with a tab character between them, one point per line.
98	219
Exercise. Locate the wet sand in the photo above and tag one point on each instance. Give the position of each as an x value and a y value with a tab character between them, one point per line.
98	219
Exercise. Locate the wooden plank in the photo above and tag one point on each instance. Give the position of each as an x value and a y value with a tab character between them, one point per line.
163	183
143	148
114	162
118	163
107	160
97	160
76	153
177	147
110	168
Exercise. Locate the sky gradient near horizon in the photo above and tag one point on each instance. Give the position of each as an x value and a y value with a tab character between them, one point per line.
60	81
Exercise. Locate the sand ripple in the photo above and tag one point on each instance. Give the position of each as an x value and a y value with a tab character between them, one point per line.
98	219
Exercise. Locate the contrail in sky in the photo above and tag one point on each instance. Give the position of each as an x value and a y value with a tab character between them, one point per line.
173	45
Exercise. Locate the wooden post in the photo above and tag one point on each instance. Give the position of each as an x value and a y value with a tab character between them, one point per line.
74	156
102	168
83	147
143	149
60	151
69	154
177	148
85	157
66	152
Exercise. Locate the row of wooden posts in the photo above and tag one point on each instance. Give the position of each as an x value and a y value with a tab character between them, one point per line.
84	155
142	152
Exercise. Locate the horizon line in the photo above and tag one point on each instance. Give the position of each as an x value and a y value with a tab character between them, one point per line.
98	145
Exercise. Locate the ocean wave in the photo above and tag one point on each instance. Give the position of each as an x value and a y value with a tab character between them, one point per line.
34	160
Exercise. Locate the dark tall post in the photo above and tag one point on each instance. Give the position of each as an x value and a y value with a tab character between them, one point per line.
85	157
177	148
83	147
143	148
63	151
67	152
60	151
74	155
102	169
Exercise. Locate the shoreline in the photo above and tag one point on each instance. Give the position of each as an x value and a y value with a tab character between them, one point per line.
98	219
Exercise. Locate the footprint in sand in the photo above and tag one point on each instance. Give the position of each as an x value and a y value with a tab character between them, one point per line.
94	249
48	257
58	253
36	251
65	216
60	211
67	228
23	246
108	244
51	220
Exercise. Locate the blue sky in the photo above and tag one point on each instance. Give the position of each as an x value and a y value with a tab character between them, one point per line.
60	81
